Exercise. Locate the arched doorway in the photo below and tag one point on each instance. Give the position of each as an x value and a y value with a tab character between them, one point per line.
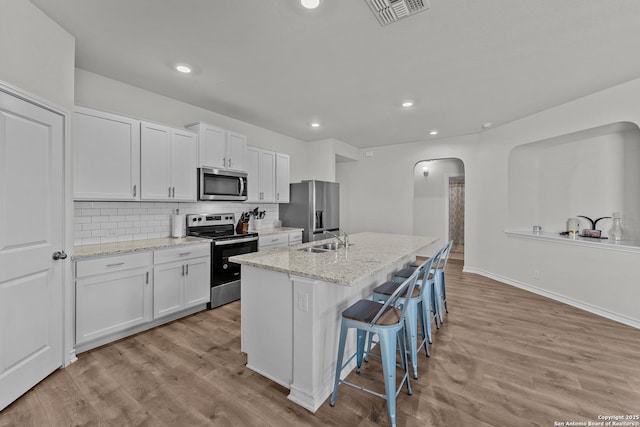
438	201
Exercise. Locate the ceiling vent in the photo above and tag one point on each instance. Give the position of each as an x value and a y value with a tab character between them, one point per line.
390	11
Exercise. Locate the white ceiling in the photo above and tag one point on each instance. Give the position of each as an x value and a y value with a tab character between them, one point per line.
279	66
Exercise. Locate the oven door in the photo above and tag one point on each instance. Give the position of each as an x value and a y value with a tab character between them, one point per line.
223	271
218	184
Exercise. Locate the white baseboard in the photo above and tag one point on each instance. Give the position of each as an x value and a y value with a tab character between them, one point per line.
561	298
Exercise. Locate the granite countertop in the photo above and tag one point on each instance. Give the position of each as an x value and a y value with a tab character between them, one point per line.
104	249
276	230
368	254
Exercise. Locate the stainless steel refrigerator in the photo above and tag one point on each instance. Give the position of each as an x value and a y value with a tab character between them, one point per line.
314	206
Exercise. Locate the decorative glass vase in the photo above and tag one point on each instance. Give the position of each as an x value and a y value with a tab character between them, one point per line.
615	232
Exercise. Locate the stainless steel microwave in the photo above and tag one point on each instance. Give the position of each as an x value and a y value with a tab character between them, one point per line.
220	184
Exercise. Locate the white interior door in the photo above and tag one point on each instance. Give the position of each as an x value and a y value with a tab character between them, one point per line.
31	230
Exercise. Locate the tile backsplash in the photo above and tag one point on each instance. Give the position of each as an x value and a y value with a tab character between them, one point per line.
108	222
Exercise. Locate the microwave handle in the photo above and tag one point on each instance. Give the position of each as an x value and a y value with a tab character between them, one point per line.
241	186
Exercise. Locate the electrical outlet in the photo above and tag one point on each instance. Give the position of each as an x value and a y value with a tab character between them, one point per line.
303	302
536	274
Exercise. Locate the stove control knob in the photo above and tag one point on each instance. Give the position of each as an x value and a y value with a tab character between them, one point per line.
194	220
225	266
199	219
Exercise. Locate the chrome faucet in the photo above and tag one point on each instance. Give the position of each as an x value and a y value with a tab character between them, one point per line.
344	242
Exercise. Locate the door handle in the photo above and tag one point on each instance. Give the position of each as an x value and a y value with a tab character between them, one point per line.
59	255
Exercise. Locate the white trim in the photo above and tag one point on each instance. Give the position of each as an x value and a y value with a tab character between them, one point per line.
560	298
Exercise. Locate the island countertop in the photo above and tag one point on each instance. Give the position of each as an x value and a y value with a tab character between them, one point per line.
368	254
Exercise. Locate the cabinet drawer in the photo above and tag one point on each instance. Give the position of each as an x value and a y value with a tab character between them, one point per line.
112	263
295	238
274	240
180	253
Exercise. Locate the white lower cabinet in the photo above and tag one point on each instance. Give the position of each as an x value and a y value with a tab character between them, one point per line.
119	295
279	240
112	294
181	279
295	237
273	241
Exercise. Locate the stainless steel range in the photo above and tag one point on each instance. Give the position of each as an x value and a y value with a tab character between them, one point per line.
225	275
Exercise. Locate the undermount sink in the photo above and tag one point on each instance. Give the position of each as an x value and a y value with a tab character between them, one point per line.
325	247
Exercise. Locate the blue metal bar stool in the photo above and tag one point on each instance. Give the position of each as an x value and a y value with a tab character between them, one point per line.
389	322
419	308
439	291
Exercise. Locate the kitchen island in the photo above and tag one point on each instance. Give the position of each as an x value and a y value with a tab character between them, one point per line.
292	302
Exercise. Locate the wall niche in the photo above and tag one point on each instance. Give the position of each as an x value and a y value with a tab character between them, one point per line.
594	172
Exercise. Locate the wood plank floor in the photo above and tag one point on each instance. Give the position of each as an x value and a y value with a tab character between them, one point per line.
504	357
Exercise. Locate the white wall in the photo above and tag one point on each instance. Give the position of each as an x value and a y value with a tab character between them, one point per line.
37	55
95	91
380	192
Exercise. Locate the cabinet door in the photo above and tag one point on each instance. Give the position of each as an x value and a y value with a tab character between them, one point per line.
267	177
282	178
108	303
168	288
213	147
236	151
155	164
253	175
106	156
183	166
197	284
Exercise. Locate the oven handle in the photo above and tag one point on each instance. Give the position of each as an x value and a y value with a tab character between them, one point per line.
234	241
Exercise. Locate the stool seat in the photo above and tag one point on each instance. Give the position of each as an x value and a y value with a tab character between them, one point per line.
365	311
388	288
405	272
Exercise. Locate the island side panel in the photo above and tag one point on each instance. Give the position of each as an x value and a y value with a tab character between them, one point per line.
267	323
317	315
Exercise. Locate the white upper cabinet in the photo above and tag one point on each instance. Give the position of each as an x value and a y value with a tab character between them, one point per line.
282	178
267	176
106	156
261	166
169	163
219	148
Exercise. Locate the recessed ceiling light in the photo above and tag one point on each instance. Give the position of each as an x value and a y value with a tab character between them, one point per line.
310	4
487	125
315	125
183	69
407	104
433	132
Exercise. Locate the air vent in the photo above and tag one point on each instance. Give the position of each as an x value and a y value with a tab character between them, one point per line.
389	11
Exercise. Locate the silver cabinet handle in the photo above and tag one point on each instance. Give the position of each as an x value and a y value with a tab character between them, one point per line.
184	254
116	264
187	265
183	269
173	192
146	278
224	162
277	196
134	190
229	161
169	192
